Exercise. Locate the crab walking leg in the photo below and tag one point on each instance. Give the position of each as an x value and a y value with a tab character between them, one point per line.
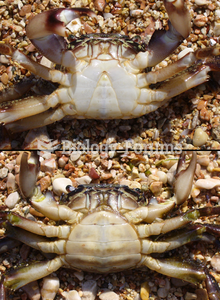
22	276
173	268
177	239
47	31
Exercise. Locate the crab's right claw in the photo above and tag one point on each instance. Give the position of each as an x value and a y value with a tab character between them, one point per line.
212	286
47	30
29	169
184	179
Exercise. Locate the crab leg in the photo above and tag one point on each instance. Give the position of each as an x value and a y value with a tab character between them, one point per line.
162	42
24	275
173	268
47	31
212	287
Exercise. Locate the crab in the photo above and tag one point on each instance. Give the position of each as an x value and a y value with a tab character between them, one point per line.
105	230
103	76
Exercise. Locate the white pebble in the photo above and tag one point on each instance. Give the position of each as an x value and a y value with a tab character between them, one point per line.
200	137
208	183
60	184
75	155
3	172
162	176
48	165
184	52
201	2
89	289
50	287
10	182
215	262
84	179
71	295
108	295
12	200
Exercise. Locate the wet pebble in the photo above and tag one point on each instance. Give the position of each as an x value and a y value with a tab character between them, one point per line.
60	184
4	78
12	200
208	183
3	172
50	287
200	137
75	155
89	289
108	295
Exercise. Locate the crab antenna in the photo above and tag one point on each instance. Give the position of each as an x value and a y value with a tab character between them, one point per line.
29	168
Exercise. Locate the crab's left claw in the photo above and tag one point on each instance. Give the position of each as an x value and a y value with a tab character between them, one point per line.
47	31
29	169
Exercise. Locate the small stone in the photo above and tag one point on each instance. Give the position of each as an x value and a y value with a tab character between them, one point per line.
108	295
26	9
4	78
75	155
50	287
71	295
48	165
178	282
215	262
44	183
79	275
10	182
93	174
32	290
89	289
3	172
60	184
200	137
156	187
99	5
84	179
201	294
12	200
201	2
162	292
145	291
200	20
190	296
208	183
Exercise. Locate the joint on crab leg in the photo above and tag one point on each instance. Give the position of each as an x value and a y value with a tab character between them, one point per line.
46	32
173	268
22	276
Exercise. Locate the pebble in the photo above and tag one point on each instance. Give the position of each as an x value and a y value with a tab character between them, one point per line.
49	165
145	291
71	295
215	262
89	289
99	4
32	290
50	287
162	292
84	179
201	294
4	78
25	10
200	137
79	275
156	187
75	155
44	183
108	295
208	183
201	2
10	182
3	172
200	20
60	184
190	296
12	200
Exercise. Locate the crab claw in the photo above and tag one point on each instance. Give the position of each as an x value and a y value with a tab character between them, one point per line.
184	179
29	169
168	41
47	30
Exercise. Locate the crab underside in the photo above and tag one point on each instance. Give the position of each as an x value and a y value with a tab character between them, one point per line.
105	75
